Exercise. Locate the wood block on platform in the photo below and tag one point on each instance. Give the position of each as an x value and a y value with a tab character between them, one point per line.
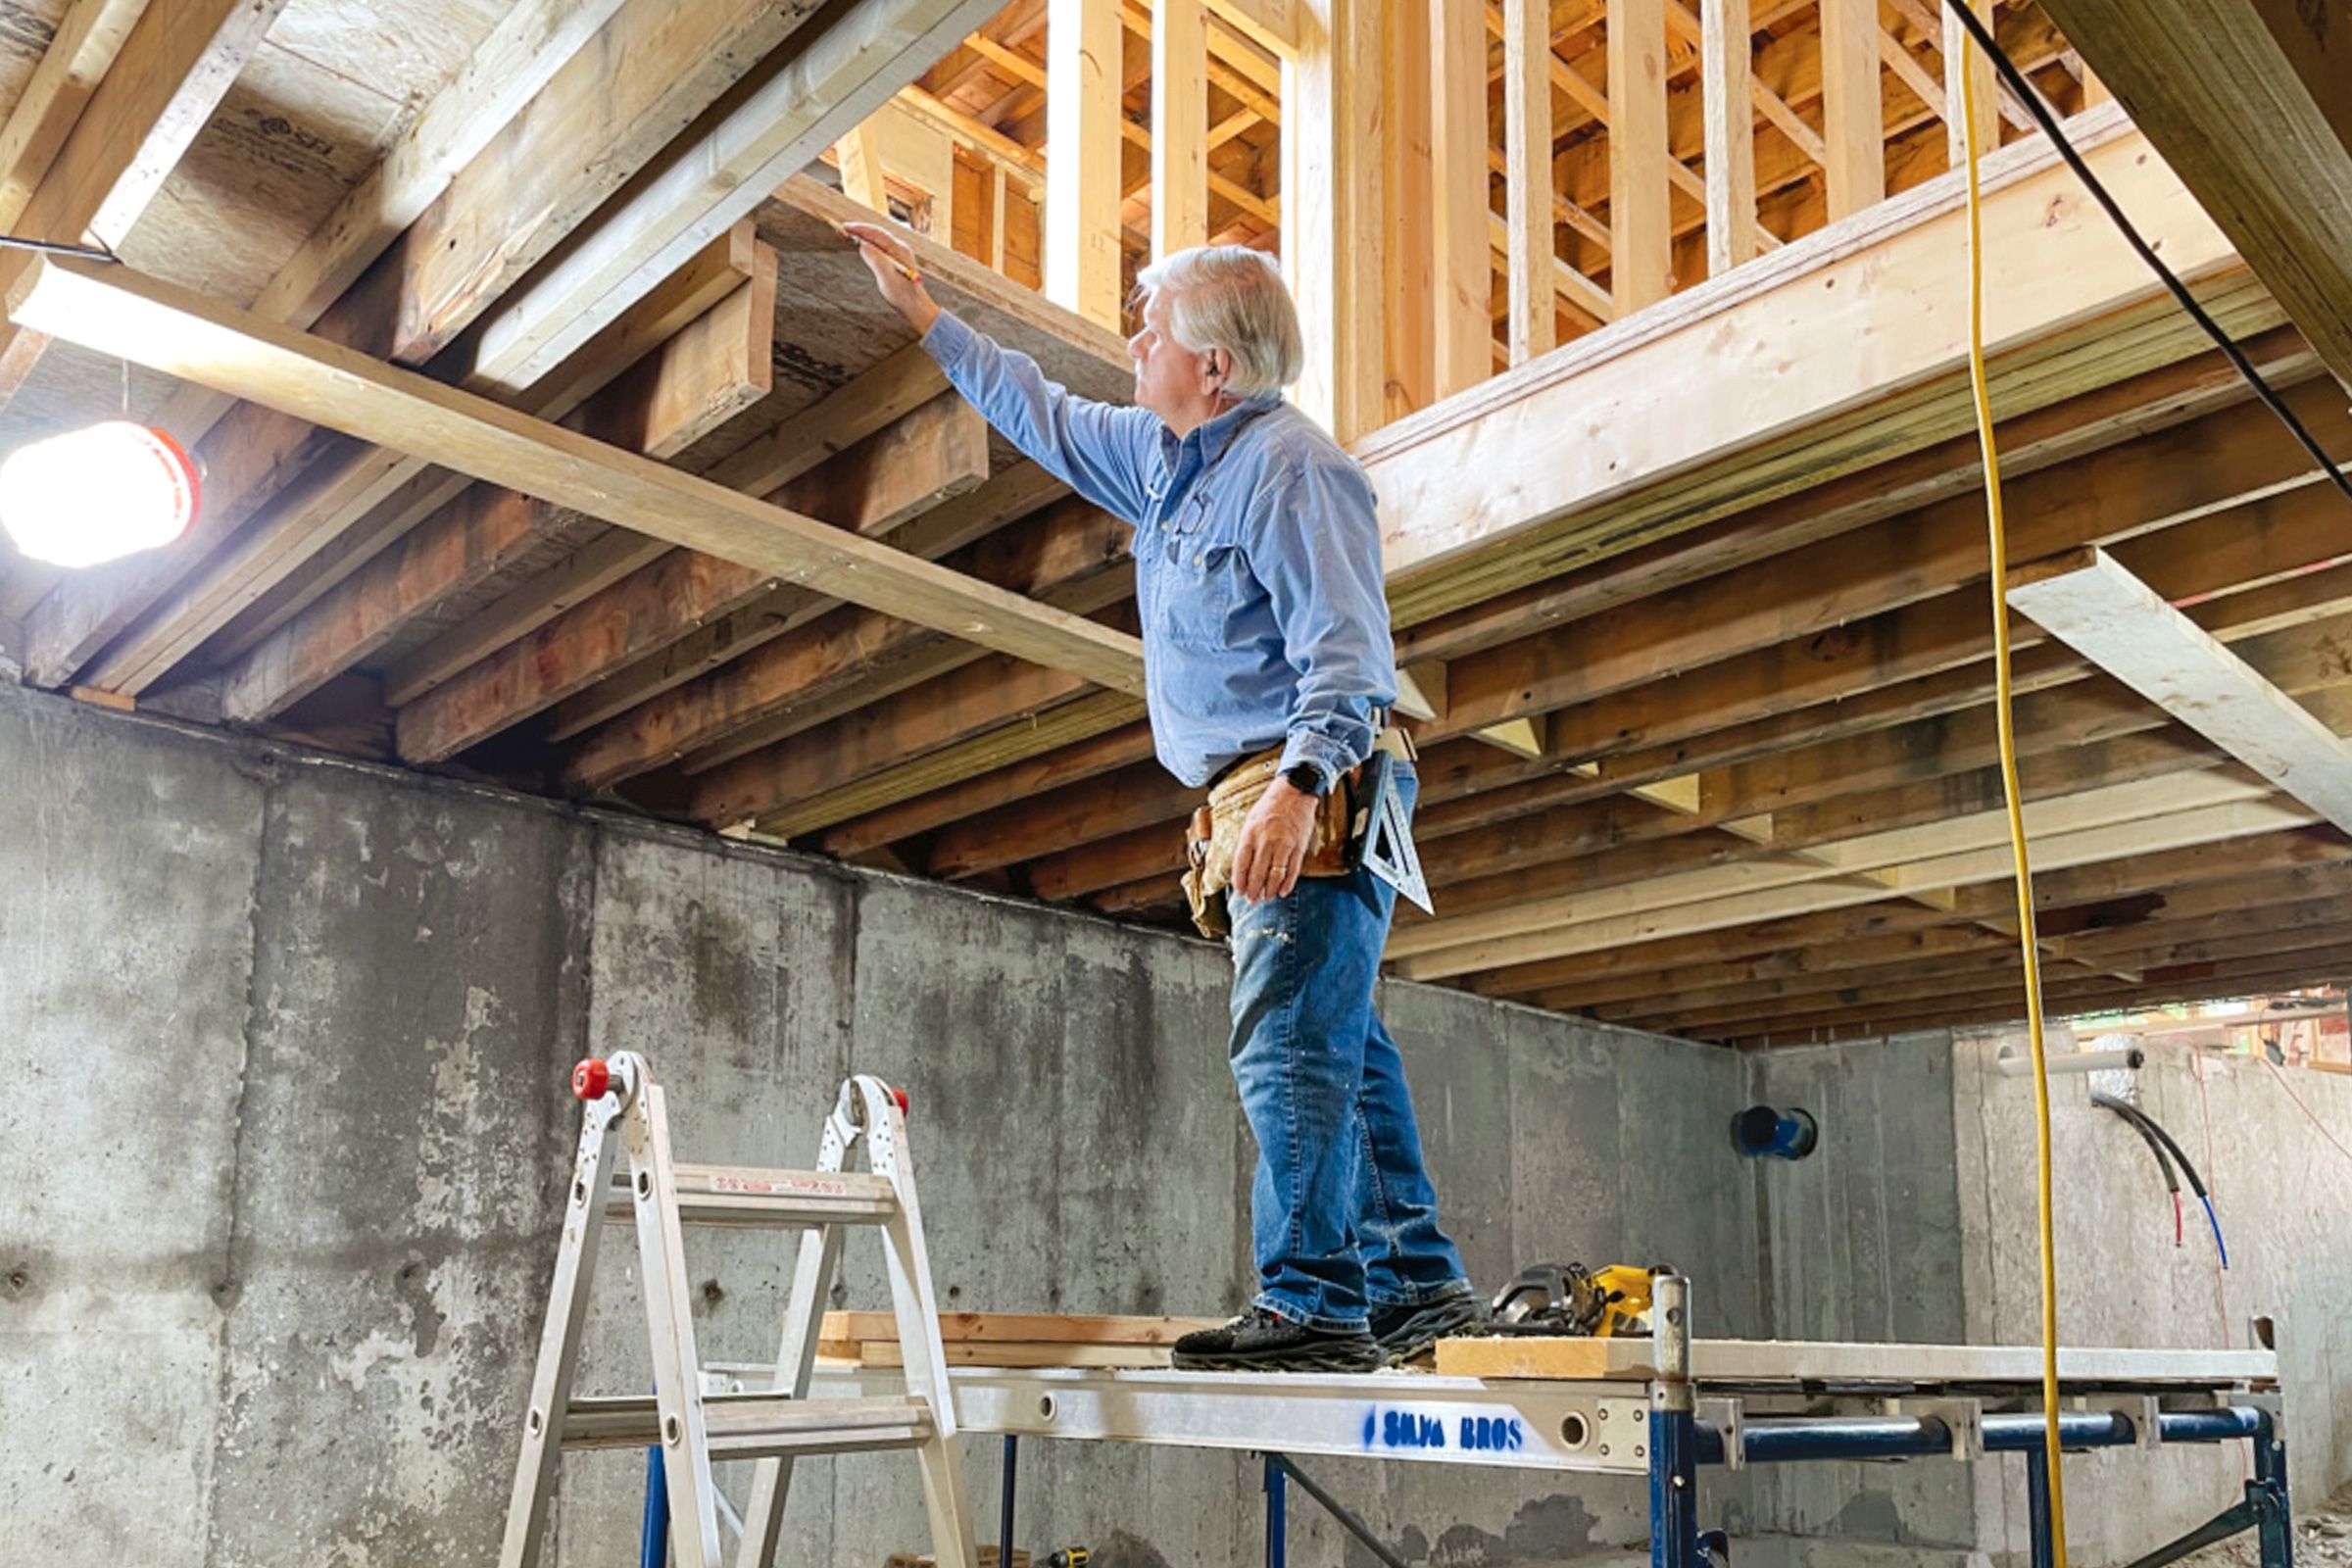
1026	1328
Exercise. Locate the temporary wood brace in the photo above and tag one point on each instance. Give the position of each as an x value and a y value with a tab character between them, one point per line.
693	1428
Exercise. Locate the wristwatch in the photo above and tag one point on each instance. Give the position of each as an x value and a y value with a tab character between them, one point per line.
1305	778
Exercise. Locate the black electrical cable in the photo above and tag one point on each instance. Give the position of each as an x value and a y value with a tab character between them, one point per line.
2140	1118
2164	1162
2047	118
2150	1125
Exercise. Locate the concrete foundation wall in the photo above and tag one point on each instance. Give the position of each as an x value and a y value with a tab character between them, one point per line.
2284	1195
1916	1219
289	1131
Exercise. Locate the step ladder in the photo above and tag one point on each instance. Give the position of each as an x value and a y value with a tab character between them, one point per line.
692	1428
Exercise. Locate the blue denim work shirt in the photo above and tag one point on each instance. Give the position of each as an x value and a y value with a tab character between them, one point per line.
1257	560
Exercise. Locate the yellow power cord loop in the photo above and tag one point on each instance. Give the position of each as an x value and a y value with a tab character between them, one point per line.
2017	815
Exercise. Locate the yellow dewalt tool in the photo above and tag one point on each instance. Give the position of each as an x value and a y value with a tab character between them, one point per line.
1571	1299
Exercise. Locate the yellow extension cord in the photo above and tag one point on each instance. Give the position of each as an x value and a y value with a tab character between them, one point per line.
2017	816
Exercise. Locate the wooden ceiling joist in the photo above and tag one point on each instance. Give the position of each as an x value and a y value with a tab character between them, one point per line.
678	393
162	83
2252	104
182	334
797	100
1474	507
2118	621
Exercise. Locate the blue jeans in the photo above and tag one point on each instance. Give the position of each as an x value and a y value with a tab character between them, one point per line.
1343	1217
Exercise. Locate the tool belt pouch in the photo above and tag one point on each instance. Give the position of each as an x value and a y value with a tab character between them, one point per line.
1215	832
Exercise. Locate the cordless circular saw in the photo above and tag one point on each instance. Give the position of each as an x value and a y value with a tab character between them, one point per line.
1571	1299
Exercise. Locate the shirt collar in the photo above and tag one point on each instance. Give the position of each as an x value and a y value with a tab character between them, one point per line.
1217	435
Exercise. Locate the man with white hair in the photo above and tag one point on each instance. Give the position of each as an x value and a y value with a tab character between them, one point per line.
1268	671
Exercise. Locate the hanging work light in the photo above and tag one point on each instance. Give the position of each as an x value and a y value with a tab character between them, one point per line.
98	493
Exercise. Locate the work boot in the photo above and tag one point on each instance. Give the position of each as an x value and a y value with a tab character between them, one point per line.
1405	1331
1259	1341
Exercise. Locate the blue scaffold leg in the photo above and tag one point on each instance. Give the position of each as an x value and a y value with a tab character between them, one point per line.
1673	1431
1673	1490
2037	1508
653	1536
1004	1498
2277	1526
1276	1525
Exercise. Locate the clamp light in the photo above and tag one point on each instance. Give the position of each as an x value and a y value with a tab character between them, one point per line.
98	493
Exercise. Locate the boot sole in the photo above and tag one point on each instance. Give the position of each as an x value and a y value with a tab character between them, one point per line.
1363	1357
1425	1328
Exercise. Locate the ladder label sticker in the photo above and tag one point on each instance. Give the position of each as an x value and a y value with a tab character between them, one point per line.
736	1183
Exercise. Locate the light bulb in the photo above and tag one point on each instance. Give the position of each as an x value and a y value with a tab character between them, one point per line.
97	494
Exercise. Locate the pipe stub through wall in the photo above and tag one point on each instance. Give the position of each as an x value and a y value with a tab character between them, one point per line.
1766	1130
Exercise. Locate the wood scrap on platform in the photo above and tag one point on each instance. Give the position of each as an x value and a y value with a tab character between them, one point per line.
1767	1361
1011	1340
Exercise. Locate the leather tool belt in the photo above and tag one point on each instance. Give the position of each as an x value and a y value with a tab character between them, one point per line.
1215	830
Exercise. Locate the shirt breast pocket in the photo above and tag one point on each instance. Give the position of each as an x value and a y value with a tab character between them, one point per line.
1206	584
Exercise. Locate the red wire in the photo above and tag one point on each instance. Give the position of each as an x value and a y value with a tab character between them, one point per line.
2175	1219
2264	1058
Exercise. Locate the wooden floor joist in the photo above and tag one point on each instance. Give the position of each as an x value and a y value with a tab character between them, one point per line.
182	334
1698	663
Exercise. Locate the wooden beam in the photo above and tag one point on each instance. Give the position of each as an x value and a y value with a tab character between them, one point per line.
1807	594
979	790
682	654
1926	88
1083	44
1047	725
720	366
266	576
1479	497
168	73
1968	77
937	451
970	703
532	43
88	38
2251	102
1852	120
1179	126
847	659
790	109
858	157
1725	51
793	105
1335	236
173	330
1527	138
1457	213
1408	298
1641	267
1272	24
2098	826
2115	619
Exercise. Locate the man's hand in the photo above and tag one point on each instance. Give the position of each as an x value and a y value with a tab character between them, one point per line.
895	273
1273	842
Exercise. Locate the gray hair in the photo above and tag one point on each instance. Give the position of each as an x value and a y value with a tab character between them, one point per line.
1231	297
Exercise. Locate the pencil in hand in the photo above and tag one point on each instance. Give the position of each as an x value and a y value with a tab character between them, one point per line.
901	268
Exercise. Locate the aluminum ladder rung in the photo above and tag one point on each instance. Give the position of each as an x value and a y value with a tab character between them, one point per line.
744	1195
755	1426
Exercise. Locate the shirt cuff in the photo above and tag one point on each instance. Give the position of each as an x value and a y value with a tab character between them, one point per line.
947	339
1327	756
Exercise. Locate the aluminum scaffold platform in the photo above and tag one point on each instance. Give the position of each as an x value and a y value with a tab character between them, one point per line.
1659	1408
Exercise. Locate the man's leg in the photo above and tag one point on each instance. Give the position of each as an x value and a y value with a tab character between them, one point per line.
1413	1273
1302	1015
